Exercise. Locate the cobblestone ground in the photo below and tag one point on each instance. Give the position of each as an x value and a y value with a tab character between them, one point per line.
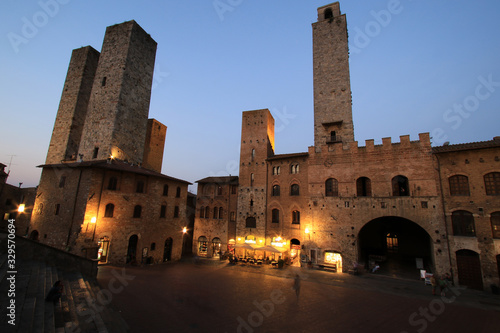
188	297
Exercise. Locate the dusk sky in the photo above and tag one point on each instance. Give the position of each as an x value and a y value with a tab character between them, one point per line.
416	66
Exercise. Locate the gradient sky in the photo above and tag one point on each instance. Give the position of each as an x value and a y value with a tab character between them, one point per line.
416	66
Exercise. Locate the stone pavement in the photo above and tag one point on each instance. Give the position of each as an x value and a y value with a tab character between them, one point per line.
211	296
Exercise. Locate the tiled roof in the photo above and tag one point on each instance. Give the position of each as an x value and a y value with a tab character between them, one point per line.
113	165
220	180
467	146
284	156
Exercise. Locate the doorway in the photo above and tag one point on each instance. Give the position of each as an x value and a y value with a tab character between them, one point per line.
132	249
469	269
167	250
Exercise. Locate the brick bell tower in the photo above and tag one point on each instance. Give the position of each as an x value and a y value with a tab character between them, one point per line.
257	144
332	86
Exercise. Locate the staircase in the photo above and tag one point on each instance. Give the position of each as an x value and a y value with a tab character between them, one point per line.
80	308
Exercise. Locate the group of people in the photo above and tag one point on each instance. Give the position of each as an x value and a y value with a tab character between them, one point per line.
441	281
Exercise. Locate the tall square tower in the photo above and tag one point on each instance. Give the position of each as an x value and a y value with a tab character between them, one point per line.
119	103
332	85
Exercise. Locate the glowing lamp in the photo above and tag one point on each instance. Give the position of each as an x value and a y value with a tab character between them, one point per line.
20	209
184	230
93	220
306	231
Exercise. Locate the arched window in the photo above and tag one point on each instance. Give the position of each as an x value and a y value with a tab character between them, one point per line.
276	170
251	222
176	211
328	13
275	216
295	217
252	178
495	224
294	169
137	211
459	185
165	190
163	211
364	187
202	212
276	191
110	208
253	154
492	183
221	210
112	183
219	190
331	187
400	187
216	211
207	212
463	223
178	192
295	189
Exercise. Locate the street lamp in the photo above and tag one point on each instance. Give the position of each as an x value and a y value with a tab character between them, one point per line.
20	209
93	220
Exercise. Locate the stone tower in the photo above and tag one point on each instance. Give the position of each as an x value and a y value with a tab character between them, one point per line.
118	109
155	144
257	144
69	123
332	85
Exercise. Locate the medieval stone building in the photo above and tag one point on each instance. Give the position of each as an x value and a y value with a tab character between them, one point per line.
101	190
403	205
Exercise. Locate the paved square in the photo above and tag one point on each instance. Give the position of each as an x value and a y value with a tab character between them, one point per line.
185	297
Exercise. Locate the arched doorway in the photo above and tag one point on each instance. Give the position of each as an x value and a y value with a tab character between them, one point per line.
132	249
167	249
469	269
34	235
202	246
295	252
397	245
216	244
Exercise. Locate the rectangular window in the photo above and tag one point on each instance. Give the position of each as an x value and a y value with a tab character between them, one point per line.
57	208
62	181
233	217
163	211
96	151
176	211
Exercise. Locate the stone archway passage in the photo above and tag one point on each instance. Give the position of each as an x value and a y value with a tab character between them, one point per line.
395	244
469	269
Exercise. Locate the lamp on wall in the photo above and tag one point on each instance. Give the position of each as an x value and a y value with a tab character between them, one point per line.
21	207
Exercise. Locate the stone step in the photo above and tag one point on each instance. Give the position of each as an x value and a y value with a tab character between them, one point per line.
113	320
39	319
49	323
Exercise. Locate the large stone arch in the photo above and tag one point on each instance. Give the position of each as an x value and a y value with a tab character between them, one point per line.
397	244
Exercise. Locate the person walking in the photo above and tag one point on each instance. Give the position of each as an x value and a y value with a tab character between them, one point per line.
434	284
296	285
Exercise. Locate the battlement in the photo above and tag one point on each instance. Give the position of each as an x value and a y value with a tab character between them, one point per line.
424	142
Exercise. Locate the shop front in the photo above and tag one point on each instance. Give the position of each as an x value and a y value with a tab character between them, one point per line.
202	246
216	247
333	259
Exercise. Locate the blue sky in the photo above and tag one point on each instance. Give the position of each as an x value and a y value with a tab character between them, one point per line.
416	66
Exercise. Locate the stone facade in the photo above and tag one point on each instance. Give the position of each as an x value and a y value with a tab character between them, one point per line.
11	198
95	199
215	218
340	203
470	182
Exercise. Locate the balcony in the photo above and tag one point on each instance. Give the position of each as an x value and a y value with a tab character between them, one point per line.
333	139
